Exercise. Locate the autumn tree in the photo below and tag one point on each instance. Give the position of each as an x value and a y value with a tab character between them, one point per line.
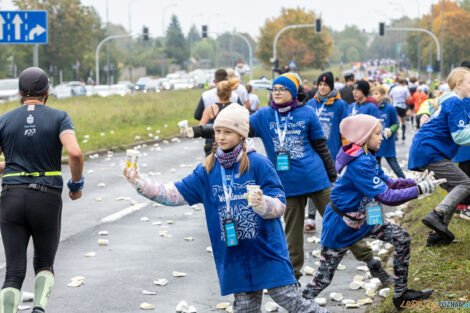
303	45
74	31
350	44
456	39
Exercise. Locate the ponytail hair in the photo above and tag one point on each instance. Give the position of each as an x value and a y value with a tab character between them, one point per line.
210	159
225	88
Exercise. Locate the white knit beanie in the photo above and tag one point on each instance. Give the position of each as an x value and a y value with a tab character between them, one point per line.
234	117
358	128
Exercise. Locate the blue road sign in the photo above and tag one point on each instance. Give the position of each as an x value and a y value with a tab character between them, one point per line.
292	65
23	27
429	69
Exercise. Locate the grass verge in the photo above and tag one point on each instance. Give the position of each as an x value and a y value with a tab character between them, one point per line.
114	121
445	269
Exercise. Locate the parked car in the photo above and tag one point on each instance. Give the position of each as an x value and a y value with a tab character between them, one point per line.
9	90
261	83
141	82
77	88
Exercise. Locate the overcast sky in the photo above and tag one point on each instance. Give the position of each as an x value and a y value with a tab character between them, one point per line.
249	15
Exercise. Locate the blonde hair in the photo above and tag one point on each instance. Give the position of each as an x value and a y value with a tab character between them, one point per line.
456	76
380	89
225	88
210	159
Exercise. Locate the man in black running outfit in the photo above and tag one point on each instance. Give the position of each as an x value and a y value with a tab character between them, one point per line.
31	138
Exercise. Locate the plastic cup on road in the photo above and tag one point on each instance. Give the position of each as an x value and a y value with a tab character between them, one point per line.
183	125
251	191
131	158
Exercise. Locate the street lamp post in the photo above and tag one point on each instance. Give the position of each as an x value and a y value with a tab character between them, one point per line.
97	54
191	38
250	52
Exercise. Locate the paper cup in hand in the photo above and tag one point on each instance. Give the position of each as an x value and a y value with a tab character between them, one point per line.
251	191
183	125
131	158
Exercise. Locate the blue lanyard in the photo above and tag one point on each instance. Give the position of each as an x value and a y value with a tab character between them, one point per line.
282	135
228	191
319	112
354	110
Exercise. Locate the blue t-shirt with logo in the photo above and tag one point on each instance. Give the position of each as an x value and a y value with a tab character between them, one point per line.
307	173
29	139
388	117
433	142
357	185
261	260
464	151
364	108
330	117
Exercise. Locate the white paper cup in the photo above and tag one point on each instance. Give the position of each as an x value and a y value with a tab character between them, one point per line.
183	125
251	191
131	158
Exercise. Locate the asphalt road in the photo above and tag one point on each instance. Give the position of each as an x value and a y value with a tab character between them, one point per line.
137	255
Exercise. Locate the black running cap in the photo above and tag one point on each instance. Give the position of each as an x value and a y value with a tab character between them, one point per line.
33	82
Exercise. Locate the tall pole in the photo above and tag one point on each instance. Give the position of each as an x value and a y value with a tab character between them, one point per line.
409	29
97	54
191	40
442	40
419	42
36	46
107	46
250	52
430	42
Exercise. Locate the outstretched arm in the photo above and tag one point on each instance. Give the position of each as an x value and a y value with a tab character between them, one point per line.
166	194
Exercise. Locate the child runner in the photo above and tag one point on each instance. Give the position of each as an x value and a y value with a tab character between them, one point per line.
331	110
434	146
390	125
362	105
249	245
463	158
295	144
355	207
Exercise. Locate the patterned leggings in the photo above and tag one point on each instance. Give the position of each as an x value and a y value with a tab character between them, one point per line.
330	258
288	297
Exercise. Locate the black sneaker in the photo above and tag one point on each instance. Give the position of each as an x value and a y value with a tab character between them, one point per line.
377	271
435	240
37	310
410	295
435	221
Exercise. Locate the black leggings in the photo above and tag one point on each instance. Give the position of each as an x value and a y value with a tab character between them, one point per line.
29	213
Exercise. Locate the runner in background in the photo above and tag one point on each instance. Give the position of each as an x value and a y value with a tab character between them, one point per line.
390	125
254	99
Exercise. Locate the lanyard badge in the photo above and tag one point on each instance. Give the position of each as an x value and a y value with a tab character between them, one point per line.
282	157
229	223
374	213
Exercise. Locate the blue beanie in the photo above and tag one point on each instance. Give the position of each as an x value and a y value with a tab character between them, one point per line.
290	82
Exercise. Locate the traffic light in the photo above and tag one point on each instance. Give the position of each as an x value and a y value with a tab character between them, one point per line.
145	33
204	31
437	66
382	29
318	25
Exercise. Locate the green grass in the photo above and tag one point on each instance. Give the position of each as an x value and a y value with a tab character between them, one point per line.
121	119
445	269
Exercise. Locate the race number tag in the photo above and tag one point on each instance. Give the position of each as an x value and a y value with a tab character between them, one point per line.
282	162
230	232
374	213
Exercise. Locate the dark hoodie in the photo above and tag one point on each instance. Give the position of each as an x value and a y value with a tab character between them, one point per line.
360	181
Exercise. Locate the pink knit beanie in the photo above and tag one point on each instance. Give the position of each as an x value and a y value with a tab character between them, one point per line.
358	128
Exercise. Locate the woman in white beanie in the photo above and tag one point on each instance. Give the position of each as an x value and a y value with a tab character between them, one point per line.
355	210
248	242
